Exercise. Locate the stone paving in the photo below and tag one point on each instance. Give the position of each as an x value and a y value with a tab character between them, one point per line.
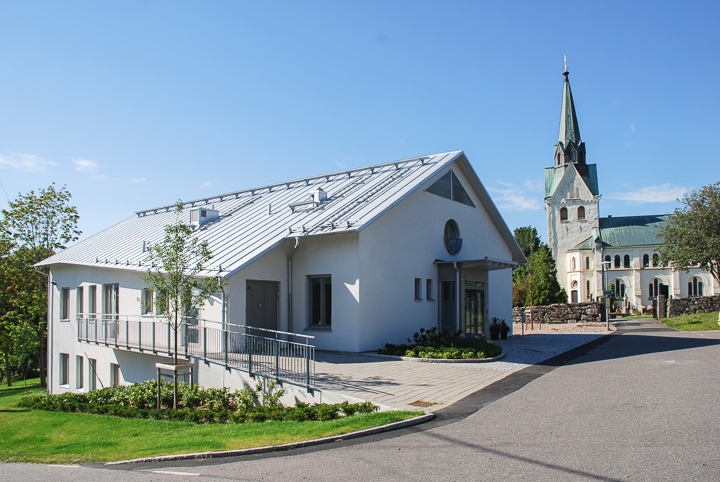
396	384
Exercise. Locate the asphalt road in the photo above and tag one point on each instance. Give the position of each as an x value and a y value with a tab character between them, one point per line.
640	404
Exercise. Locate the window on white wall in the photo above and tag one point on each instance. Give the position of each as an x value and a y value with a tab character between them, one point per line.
320	300
429	290
79	300
114	374
64	304
64	369
92	299
418	289
92	374
146	301
695	287
110	298
79	375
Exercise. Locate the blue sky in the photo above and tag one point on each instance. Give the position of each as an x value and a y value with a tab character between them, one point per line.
134	105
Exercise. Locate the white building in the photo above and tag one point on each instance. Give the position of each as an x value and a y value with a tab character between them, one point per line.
353	259
619	253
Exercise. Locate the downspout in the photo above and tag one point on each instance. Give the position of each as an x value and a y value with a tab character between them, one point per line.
224	309
457	295
289	284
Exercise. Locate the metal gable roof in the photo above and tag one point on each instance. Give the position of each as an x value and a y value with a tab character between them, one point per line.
254	221
632	231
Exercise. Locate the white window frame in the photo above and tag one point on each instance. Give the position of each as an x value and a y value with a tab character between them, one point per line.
146	302
79	369
114	374
64	304
325	319
92	374
64	368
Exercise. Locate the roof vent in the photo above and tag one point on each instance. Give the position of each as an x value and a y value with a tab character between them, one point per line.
318	196
201	216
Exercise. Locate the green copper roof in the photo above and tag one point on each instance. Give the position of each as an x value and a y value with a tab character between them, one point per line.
588	173
569	128
631	231
586	245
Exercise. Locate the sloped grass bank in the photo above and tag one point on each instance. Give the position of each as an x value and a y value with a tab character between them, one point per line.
696	322
59	437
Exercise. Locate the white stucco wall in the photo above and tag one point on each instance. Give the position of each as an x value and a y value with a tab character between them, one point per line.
403	244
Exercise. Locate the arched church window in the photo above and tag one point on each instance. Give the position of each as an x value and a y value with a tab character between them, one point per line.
581	213
656	260
646	261
617	260
574	284
572	264
607	260
563	214
626	261
653	288
619	288
695	287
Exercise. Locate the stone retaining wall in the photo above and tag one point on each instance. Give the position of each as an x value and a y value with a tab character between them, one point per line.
561	313
689	306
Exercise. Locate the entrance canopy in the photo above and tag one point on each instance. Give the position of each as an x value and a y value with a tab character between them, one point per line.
488	264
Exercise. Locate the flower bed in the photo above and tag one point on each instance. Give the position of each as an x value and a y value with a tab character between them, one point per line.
209	405
445	345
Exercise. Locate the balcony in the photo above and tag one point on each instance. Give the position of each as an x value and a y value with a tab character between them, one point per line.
256	351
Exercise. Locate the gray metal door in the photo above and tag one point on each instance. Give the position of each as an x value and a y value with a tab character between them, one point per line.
261	305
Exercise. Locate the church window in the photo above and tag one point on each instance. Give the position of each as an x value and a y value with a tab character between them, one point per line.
587	290
449	187
587	262
619	288
453	241
572	264
626	261
581	213
695	287
607	260
646	261
656	260
563	214
653	288
617	260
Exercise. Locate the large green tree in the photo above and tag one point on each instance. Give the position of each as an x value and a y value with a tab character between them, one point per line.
535	282
692	236
35	226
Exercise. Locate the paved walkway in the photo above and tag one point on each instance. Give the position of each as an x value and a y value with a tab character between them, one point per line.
397	384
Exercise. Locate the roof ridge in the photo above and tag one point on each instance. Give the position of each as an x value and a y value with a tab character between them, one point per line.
288	184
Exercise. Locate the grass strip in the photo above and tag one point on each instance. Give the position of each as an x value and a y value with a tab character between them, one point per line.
60	438
696	322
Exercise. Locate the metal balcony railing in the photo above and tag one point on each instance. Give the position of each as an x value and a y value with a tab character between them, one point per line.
268	353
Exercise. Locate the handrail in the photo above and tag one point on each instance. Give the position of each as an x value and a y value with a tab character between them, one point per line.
271	331
289	361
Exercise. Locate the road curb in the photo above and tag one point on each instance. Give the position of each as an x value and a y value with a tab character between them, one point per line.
277	448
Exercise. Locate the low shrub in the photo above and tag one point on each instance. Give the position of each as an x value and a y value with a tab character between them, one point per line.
446	345
196	405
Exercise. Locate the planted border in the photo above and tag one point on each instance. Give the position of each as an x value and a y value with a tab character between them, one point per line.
444	345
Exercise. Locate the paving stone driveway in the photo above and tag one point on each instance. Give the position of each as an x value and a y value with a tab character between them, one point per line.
397	384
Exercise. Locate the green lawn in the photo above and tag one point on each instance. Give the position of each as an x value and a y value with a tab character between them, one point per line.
696	322
54	437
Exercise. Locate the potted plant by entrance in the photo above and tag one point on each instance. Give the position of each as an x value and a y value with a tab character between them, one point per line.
504	330
494	329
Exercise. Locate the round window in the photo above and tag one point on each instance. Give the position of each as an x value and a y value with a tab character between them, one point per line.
453	242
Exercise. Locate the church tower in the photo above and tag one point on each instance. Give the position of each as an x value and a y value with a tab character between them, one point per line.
572	203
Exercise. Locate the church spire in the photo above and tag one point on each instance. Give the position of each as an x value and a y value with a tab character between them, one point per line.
570	149
569	129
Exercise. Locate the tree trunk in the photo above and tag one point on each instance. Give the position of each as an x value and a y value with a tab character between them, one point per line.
176	358
8	374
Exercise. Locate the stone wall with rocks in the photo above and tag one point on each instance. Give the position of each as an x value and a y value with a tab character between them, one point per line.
561	313
689	306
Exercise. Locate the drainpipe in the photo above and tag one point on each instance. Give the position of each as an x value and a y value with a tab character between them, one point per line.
224	309
457	295
290	294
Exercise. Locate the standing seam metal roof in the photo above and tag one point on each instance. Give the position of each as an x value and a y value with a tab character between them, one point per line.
255	221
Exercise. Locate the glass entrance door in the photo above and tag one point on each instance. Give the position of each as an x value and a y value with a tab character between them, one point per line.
474	308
